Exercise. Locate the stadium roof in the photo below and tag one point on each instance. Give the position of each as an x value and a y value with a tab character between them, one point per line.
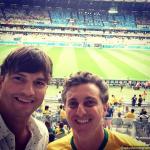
140	1
134	5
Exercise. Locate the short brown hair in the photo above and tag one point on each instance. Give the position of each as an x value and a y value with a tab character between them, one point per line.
27	59
83	78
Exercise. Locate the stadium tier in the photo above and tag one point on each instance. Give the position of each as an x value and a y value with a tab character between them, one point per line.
89	26
82	18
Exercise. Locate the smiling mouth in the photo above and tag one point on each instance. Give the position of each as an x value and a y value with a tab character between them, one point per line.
82	121
22	100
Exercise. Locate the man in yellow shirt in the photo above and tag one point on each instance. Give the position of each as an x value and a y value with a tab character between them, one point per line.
85	98
62	113
63	117
130	114
46	110
113	100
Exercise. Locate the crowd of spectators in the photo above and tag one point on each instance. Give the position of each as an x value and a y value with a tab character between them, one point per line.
44	25
70	38
69	16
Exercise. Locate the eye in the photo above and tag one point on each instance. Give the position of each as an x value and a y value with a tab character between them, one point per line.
18	79
72	104
40	84
90	102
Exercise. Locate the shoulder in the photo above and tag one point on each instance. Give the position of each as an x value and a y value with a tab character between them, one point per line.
38	127
62	143
122	140
39	135
39	124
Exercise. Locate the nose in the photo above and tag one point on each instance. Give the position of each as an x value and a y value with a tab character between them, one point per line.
28	89
81	111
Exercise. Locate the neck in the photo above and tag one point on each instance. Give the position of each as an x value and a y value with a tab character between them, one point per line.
15	124
92	142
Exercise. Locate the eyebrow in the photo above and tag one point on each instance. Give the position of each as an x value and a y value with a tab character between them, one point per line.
18	74
90	97
22	74
42	79
71	99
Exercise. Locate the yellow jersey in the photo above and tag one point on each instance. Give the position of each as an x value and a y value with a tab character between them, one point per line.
113	141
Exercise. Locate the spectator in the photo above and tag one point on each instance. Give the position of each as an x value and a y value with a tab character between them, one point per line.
143	115
85	98
113	100
59	97
108	117
140	100
130	114
60	128
63	115
134	99
47	111
51	131
144	95
47	114
121	86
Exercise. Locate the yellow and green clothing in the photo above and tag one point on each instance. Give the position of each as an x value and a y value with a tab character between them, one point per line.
46	112
130	115
62	114
112	141
59	131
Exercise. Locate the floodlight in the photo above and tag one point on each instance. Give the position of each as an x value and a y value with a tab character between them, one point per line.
113	10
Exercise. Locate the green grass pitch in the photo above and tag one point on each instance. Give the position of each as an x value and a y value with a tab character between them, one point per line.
107	63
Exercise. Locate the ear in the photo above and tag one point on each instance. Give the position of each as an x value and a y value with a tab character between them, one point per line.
1	81
64	106
105	106
46	87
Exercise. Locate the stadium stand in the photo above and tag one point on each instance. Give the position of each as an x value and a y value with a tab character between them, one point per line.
80	26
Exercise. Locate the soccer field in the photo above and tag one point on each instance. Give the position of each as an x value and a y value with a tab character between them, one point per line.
107	63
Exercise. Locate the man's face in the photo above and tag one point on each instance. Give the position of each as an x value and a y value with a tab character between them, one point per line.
84	109
22	93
